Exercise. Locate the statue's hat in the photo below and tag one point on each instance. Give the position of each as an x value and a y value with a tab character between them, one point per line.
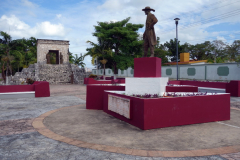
148	8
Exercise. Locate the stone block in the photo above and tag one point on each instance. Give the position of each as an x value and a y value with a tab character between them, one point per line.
146	85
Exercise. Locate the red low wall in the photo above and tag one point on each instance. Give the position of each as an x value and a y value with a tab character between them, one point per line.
93	81
221	85
120	80
94	95
233	88
16	88
181	89
41	88
174	111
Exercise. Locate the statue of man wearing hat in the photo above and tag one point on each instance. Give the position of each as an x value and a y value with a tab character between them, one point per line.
149	36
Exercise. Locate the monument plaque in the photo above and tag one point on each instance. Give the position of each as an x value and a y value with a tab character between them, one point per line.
119	105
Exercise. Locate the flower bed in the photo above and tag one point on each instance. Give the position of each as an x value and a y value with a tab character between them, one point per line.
172	111
233	87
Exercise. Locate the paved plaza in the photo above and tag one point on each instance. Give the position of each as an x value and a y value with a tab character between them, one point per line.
59	127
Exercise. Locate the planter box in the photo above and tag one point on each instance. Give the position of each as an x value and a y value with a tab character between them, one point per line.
181	89
94	95
173	111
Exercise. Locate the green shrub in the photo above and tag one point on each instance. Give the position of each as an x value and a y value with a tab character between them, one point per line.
30	81
92	76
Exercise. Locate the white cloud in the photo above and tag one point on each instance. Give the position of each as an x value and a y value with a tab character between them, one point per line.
28	4
221	38
59	16
19	29
48	29
82	16
13	23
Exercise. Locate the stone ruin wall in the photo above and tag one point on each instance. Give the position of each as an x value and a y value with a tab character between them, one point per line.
43	47
53	73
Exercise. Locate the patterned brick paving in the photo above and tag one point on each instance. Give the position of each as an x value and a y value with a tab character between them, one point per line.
19	140
227	152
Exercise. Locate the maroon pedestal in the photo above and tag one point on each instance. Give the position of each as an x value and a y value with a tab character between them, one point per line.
147	67
233	87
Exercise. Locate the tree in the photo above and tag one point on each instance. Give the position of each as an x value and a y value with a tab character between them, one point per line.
122	39
16	54
4	52
161	52
171	46
200	51
78	60
100	50
219	49
233	50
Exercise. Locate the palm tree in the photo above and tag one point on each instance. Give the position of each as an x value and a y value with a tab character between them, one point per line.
78	60
101	49
4	51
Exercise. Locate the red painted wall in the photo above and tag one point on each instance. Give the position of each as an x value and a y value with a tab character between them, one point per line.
175	82
233	88
181	89
167	112
16	88
93	81
121	80
221	85
147	67
136	110
94	95
42	89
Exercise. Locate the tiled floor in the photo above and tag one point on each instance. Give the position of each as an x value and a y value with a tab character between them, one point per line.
19	140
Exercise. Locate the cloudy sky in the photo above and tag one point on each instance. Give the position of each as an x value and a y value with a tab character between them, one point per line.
73	20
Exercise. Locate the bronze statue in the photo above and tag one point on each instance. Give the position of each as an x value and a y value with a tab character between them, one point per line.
149	36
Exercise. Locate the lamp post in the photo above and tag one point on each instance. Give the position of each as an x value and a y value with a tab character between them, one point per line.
176	22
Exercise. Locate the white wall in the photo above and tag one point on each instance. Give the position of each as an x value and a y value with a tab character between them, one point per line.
219	71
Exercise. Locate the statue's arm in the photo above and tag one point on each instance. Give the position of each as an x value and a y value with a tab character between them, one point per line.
154	21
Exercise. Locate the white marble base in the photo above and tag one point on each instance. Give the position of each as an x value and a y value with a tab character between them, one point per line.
14	95
146	85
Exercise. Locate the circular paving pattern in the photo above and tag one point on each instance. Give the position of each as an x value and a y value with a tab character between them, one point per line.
97	130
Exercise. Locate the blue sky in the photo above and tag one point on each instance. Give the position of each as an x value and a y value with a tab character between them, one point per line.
73	20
